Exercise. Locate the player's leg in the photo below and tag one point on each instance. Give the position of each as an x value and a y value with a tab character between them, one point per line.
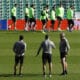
12	24
72	24
59	23
62	57
50	69
64	66
44	69
15	25
68	27
44	25
69	24
16	64
44	64
21	65
50	64
52	24
26	23
30	23
34	25
62	62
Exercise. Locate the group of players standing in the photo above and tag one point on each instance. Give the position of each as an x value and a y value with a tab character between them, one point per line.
56	13
46	47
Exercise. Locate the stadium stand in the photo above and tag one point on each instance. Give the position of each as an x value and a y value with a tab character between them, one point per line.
6	6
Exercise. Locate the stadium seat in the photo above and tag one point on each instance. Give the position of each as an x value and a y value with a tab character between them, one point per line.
6	5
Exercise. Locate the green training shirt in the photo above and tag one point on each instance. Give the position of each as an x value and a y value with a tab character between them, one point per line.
44	16
26	12
70	13
52	15
31	12
60	12
13	11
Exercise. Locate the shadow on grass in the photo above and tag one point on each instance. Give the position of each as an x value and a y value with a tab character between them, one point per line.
24	75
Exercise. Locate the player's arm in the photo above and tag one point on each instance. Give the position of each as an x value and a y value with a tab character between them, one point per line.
25	46
39	50
63	12
33	12
40	18
68	46
53	45
26	12
13	9
67	13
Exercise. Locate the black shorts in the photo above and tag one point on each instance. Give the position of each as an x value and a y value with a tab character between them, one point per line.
32	20
59	18
13	18
26	18
63	54
52	21
46	57
70	21
43	21
19	59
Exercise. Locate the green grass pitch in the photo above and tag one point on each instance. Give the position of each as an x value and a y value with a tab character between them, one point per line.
32	69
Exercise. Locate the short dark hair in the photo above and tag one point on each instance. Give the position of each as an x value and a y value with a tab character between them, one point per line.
32	5
15	5
21	37
26	5
71	6
46	36
47	5
54	6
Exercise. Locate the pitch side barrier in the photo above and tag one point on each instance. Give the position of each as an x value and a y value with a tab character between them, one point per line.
4	24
